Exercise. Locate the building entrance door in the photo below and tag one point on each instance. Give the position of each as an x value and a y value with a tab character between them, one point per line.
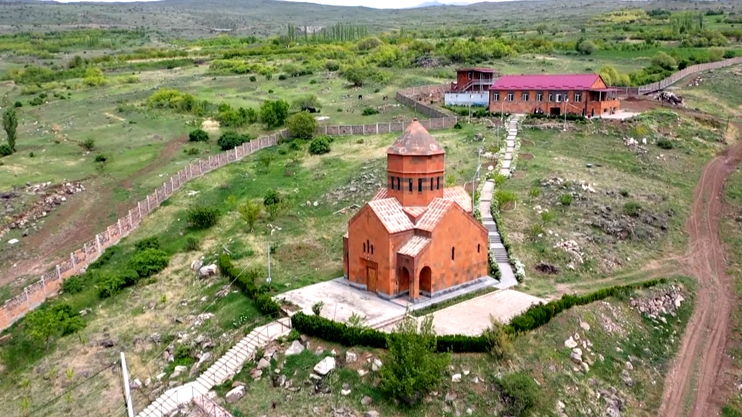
371	279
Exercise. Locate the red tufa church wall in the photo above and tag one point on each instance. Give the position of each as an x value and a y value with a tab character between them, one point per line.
415	168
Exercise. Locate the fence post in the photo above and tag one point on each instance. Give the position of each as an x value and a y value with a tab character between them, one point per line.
97	242
59	274
72	257
28	299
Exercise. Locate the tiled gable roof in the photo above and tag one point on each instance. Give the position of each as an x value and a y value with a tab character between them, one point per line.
391	215
436	210
547	82
414	246
381	194
415	211
460	196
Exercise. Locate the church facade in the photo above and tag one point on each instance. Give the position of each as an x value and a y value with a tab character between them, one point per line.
415	237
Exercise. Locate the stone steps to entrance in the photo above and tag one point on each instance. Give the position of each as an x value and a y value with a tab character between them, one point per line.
507	277
223	369
510	144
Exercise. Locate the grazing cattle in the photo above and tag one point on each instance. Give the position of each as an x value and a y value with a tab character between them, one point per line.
360	97
385	98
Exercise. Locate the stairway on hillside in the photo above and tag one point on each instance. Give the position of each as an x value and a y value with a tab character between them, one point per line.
507	159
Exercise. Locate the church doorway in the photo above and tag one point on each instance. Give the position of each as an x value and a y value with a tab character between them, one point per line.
426	280
371	279
404	280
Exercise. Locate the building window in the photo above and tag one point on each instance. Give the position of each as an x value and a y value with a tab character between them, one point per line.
410	184
511	96
419	185
399	187
558	98
524	96
368	246
372	249
453	253
539	97
495	96
431	185
364	247
478	245
438	183
470	74
551	97
578	97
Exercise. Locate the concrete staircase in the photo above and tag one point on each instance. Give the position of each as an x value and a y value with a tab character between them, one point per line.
222	370
507	159
507	277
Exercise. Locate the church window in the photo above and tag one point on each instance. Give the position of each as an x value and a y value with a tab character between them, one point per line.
410	184
431	185
453	253
419	185
399	187
364	248
478	245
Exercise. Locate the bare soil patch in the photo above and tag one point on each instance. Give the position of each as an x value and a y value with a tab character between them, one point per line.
526	142
525	156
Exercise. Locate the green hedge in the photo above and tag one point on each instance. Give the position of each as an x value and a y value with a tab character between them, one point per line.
538	315
246	283
333	331
534	317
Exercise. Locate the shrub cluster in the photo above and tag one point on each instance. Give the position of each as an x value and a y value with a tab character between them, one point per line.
231	140
246	283
570	116
202	217
320	145
198	135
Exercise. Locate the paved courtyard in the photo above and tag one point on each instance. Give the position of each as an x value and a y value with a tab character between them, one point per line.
341	301
473	316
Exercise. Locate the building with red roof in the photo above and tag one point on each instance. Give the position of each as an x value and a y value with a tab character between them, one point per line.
585	94
416	237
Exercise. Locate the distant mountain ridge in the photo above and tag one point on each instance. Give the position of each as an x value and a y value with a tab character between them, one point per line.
436	3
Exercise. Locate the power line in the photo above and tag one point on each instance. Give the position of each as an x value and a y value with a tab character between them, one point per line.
53	400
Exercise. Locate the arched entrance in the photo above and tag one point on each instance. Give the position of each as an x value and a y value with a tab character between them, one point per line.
404	280
426	284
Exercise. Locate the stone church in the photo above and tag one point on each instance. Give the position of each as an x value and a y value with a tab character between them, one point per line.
416	237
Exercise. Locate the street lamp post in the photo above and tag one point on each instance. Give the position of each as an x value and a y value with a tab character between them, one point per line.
476	174
566	100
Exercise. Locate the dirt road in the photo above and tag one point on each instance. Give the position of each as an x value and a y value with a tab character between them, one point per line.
696	379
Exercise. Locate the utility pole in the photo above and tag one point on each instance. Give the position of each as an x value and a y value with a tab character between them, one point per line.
566	100
127	391
268	280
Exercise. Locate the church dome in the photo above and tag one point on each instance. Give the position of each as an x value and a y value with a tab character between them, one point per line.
415	141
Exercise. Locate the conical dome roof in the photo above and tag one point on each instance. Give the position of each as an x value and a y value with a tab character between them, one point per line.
415	141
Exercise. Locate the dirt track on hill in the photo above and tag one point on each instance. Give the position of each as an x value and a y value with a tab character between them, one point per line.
702	348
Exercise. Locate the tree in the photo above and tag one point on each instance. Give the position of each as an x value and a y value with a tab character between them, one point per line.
94	77
42	325
609	74
265	159
302	125
272	203
231	140
664	61
10	125
357	74
411	365
320	145
307	103
250	211
586	47
274	112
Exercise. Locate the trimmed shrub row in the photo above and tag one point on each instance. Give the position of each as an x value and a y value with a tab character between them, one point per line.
246	283
534	317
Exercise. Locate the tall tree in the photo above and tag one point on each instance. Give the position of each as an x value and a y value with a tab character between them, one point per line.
250	211
10	125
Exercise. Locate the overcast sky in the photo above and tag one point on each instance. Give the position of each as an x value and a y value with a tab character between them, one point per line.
379	4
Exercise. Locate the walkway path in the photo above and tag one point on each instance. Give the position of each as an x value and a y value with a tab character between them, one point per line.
507	277
507	160
225	368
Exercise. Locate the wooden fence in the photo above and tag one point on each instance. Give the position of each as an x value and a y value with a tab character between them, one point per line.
662	84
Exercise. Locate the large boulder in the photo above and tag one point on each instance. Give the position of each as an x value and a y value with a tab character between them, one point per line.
207	271
325	366
235	395
263	363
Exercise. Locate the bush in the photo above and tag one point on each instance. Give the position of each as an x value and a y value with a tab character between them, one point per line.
18	104
565	199
149	262
266	305
302	125
665	143
412	366
5	150
198	135
129	276
632	208
110	285
147	243
332	65
534	191
370	111
192	244
503	197
246	283
101	158
518	392
192	151
319	146
457	126
75	284
202	217
499	340
274	112
88	145
231	140
105	257
252	78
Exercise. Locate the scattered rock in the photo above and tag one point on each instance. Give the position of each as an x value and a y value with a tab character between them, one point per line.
584	325
576	355
629	366
196	265
236	384
371	413
235	395
570	343
180	369
325	366
263	363
366	400
362	372
626	378
295	348
450	397
350	357
376	365
456	378
256	373
135	384
207	271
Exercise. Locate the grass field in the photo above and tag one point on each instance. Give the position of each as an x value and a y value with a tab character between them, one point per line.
635	213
